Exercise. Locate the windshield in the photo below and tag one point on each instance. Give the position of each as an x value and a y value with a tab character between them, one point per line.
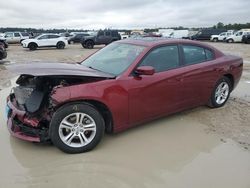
114	59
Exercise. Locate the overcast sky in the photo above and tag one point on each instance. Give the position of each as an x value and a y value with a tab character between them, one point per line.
128	14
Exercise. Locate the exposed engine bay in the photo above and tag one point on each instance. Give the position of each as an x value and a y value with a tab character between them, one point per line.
33	92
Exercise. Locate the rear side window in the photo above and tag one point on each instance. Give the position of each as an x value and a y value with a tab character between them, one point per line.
53	36
209	54
196	54
162	58
16	34
25	34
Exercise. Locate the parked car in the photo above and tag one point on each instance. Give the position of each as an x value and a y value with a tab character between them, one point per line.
77	38
246	38
3	53
16	37
102	37
45	40
3	41
205	34
221	37
122	85
237	37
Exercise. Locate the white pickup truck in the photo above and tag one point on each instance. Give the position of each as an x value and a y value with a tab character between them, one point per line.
237	37
221	36
16	37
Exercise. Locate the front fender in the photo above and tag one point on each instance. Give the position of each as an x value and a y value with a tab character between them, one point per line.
107	92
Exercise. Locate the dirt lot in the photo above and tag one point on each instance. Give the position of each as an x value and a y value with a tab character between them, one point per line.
202	147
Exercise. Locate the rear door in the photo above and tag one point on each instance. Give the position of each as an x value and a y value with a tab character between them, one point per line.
17	37
199	74
53	39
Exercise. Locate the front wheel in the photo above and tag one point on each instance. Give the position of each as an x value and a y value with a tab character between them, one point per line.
89	44
221	93
32	46
215	40
76	128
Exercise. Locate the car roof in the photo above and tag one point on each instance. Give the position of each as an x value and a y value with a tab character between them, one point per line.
155	41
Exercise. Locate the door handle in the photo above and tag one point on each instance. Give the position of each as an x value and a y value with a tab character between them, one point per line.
179	79
218	70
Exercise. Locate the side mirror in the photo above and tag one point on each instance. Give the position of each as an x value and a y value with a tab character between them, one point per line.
145	70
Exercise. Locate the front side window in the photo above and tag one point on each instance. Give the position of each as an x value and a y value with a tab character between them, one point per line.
196	54
8	35
239	34
101	33
162	58
43	37
107	33
114	58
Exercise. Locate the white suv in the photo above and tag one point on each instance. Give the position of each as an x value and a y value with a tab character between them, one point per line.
45	40
221	36
16	37
237	37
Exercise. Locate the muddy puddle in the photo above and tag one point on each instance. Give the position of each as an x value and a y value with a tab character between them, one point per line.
176	151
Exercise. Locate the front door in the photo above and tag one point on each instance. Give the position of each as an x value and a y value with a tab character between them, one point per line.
158	94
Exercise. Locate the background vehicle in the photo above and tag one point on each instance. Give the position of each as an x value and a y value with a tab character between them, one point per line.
221	36
205	34
72	104
179	34
45	40
246	38
77	37
16	37
102	37
237	37
3	53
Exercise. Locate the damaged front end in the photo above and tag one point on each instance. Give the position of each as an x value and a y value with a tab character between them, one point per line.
30	106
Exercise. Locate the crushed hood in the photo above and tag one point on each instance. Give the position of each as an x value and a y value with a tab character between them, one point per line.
56	69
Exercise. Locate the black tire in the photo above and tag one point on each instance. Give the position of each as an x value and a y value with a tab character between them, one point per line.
215	40
33	46
1	55
213	102
65	111
89	44
60	45
230	40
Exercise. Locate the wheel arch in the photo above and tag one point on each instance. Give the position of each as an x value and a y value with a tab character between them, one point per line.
100	106
231	78
32	43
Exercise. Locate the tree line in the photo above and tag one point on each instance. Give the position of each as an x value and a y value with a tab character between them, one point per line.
220	25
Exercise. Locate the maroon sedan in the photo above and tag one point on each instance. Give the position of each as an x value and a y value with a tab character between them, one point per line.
124	84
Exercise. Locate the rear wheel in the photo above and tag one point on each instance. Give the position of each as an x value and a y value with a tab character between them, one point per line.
60	45
32	46
230	40
76	128
221	93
